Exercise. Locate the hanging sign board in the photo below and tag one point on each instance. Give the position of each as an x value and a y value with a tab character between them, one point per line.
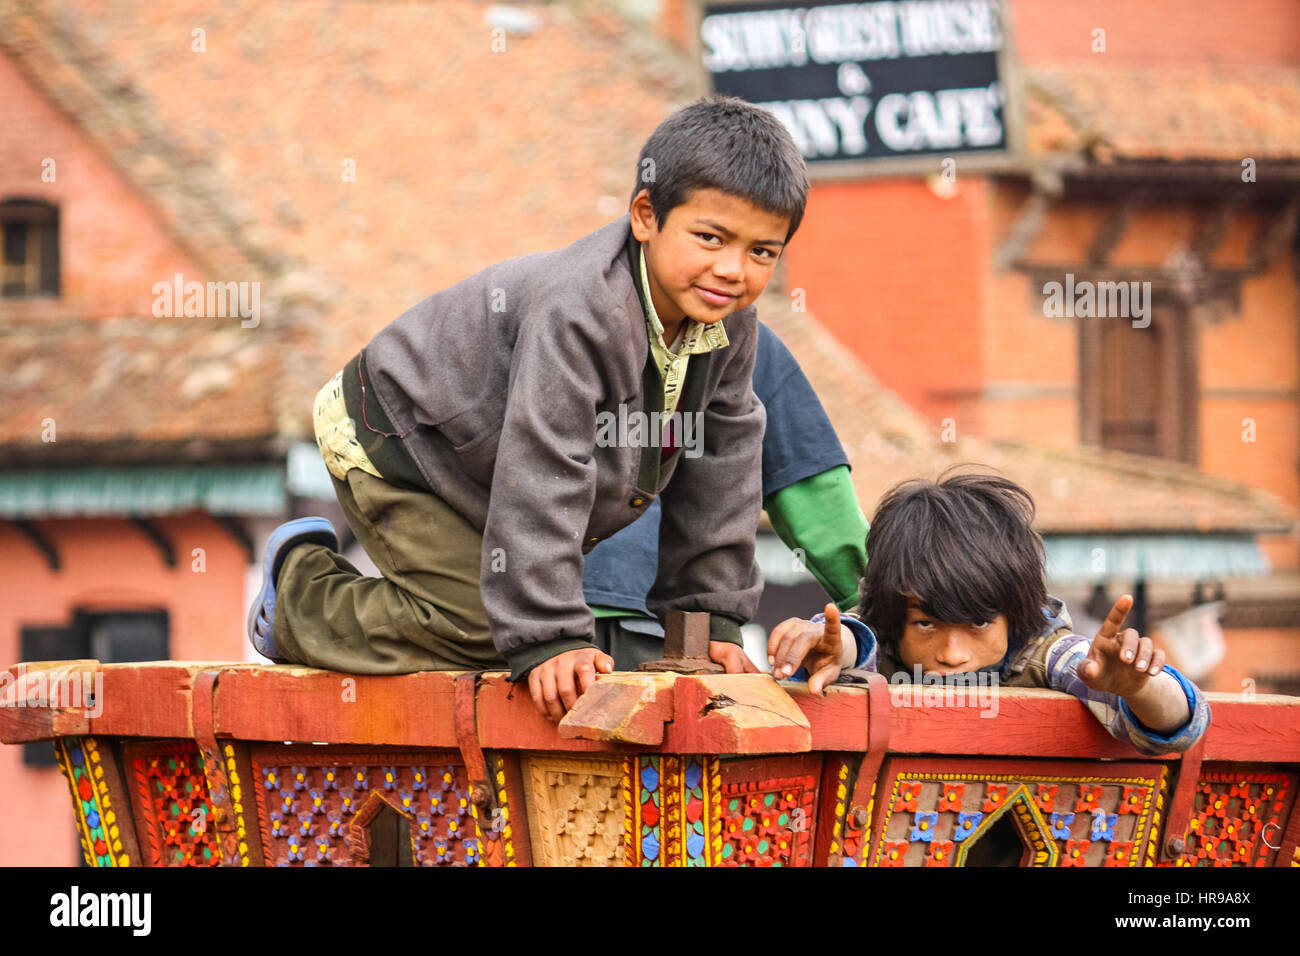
866	83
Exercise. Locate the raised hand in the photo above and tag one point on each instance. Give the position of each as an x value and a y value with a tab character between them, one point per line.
1120	662
818	647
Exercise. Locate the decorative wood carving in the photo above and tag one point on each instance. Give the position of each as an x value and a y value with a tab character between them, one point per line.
673	811
575	810
1065	814
173	810
98	795
1235	818
308	799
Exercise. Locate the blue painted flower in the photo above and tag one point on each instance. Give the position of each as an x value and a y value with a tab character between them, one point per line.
277	825
336	824
347	802
299	776
270	778
295	849
1103	825
650	777
390	777
423	826
923	828
304	824
318	805
1061	824
359	779
966	823
286	806
421	778
331	775
407	800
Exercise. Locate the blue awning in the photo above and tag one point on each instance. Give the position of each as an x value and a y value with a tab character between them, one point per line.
255	489
1087	559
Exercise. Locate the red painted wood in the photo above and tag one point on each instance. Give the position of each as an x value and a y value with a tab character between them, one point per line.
507	720
735	714
1180	805
1266	729
1029	722
146	700
256	702
622	707
308	705
838	720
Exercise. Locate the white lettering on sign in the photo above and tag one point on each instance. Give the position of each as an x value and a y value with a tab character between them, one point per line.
770	39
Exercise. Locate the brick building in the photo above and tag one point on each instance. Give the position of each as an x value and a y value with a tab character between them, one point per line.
144	452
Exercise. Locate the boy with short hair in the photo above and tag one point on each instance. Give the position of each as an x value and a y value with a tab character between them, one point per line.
954	585
470	446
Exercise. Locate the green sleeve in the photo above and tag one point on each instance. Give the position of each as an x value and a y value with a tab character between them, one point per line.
820	515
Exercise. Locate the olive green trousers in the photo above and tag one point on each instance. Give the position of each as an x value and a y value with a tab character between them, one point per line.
425	613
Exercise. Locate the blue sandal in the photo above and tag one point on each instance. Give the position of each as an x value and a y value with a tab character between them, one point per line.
261	616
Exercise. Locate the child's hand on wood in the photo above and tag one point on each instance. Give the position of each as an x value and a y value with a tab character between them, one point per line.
732	657
1120	663
818	647
557	684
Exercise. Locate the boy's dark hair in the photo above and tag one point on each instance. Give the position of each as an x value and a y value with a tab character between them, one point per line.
964	548
724	143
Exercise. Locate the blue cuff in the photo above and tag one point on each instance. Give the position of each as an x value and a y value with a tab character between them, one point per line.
1175	739
866	639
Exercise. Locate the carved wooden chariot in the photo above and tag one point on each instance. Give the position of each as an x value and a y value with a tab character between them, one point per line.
200	764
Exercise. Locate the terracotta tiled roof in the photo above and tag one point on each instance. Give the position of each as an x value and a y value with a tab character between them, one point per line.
1076	489
465	154
133	382
1171	113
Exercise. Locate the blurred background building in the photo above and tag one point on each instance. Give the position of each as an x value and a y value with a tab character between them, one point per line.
977	168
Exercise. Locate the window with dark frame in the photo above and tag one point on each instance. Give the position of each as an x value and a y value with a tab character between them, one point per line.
111	637
29	249
1137	386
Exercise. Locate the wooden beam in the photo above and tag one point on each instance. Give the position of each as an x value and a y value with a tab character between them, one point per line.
154	532
42	543
287	702
1029	222
235	528
1272	237
1110	231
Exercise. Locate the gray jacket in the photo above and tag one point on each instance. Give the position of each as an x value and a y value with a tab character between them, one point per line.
494	386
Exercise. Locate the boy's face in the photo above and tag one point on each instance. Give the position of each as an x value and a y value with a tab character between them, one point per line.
713	256
944	648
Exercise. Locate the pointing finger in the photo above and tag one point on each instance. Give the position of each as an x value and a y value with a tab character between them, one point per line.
1115	619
